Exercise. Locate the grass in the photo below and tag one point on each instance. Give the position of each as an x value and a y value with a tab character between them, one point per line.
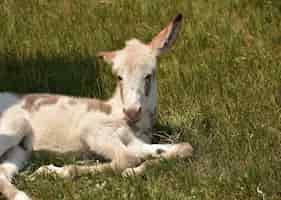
219	89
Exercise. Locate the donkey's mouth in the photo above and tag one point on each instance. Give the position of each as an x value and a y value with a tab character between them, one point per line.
132	121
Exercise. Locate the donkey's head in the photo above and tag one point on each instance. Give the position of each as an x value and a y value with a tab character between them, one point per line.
135	67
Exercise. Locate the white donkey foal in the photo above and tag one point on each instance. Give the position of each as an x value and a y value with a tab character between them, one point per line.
118	129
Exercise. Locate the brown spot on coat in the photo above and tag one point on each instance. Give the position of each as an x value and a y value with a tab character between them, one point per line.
72	102
147	87
160	151
148	83
30	100
94	105
121	91
153	117
34	102
47	101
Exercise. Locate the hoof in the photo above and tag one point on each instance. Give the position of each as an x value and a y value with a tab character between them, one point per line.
182	150
128	172
21	196
51	169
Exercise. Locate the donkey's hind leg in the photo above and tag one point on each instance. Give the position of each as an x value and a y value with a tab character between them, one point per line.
14	127
15	159
15	145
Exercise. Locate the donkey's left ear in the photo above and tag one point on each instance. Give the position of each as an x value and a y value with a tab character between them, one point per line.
164	40
108	56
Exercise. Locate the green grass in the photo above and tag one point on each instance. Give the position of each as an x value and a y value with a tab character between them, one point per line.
219	89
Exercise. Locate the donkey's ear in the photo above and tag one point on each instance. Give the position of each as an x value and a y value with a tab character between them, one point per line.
161	42
108	56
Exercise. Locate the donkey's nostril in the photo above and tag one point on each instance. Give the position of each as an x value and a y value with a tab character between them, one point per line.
132	114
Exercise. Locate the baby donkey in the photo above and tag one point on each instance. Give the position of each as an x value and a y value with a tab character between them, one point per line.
118	129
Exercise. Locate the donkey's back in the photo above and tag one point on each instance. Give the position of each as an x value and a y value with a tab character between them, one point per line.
55	120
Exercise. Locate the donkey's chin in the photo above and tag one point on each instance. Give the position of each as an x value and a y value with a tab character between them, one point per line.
132	121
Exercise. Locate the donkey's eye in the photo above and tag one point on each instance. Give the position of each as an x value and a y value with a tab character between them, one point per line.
147	77
120	78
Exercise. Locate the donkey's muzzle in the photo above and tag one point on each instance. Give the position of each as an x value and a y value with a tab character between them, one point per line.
132	114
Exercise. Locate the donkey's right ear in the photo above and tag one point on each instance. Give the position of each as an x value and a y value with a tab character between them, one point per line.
108	56
164	40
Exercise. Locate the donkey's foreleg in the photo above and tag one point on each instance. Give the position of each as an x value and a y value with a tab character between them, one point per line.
15	147
154	153
159	152
112	143
167	151
139	170
108	144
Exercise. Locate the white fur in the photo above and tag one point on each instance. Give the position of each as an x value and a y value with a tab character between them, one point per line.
21	196
67	124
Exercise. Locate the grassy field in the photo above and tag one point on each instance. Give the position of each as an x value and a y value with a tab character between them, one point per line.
219	89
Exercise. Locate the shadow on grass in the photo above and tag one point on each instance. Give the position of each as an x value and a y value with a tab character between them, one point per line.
73	75
44	157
